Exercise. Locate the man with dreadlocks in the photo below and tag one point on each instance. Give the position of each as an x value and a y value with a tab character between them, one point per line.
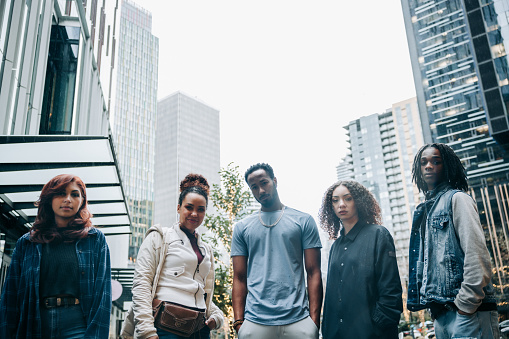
450	270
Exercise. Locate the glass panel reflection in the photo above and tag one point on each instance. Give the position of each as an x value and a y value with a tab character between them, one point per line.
58	99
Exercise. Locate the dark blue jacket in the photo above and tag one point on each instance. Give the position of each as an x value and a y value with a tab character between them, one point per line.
19	304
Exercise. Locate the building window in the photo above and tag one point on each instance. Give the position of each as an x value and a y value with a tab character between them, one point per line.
59	88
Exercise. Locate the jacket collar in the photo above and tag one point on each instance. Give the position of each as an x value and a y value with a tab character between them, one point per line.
182	234
353	232
444	186
91	231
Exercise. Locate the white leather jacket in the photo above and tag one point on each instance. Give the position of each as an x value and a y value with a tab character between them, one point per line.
186	286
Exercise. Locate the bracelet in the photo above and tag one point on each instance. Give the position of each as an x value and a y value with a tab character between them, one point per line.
238	322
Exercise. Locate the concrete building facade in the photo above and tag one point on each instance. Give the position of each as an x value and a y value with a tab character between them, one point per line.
187	142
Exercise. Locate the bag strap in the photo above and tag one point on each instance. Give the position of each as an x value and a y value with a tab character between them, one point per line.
167	233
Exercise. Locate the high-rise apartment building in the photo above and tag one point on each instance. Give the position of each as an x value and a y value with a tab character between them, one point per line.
344	170
409	138
457	50
187	142
382	148
133	107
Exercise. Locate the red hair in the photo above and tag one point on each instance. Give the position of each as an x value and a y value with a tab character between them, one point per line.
45	229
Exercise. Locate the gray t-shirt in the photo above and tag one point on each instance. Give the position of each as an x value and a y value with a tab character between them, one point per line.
275	269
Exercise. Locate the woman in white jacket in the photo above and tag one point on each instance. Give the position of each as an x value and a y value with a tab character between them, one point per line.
181	266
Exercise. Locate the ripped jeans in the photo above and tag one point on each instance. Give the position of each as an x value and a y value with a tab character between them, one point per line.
480	325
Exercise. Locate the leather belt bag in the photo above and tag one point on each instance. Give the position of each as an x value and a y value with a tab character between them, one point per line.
177	319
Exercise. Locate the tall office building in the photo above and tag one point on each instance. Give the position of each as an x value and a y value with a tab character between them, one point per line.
187	142
457	50
133	107
382	148
489	30
447	85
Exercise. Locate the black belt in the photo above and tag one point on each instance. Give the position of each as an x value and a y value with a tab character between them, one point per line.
438	310
60	301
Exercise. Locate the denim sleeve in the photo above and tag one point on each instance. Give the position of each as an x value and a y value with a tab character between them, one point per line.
9	305
99	316
389	305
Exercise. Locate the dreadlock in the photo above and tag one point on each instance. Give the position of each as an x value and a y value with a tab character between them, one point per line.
454	172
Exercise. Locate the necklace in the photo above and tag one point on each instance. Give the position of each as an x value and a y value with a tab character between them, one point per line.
274	224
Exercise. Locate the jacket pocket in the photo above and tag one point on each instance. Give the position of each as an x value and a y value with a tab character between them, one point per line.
453	276
440	221
176	272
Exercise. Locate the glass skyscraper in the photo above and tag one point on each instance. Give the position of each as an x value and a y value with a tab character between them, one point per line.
133	114
489	29
448	91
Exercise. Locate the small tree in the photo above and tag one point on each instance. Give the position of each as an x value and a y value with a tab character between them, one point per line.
231	200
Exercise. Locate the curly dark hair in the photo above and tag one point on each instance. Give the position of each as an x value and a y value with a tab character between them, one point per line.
454	172
194	183
45	230
266	167
368	210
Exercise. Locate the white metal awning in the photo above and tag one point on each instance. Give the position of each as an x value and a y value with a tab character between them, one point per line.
29	162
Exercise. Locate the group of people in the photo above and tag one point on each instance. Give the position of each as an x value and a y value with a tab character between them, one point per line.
59	282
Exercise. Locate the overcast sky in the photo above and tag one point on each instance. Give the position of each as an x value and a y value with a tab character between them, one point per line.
286	76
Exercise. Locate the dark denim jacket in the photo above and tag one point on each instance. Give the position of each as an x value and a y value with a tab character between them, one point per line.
436	265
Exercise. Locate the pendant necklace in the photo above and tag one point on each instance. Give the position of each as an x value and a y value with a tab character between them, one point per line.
274	224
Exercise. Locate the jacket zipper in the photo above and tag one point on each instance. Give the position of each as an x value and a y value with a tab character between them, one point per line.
197	270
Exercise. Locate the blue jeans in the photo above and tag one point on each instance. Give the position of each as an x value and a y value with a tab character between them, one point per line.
480	325
63	322
204	333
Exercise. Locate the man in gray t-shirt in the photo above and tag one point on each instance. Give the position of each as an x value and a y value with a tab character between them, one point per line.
270	250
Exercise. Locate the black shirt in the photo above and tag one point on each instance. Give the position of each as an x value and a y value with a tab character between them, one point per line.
363	295
59	270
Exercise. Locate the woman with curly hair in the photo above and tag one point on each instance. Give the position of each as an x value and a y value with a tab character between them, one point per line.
174	279
59	281
363	294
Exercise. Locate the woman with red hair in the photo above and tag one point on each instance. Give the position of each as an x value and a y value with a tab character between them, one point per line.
58	284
